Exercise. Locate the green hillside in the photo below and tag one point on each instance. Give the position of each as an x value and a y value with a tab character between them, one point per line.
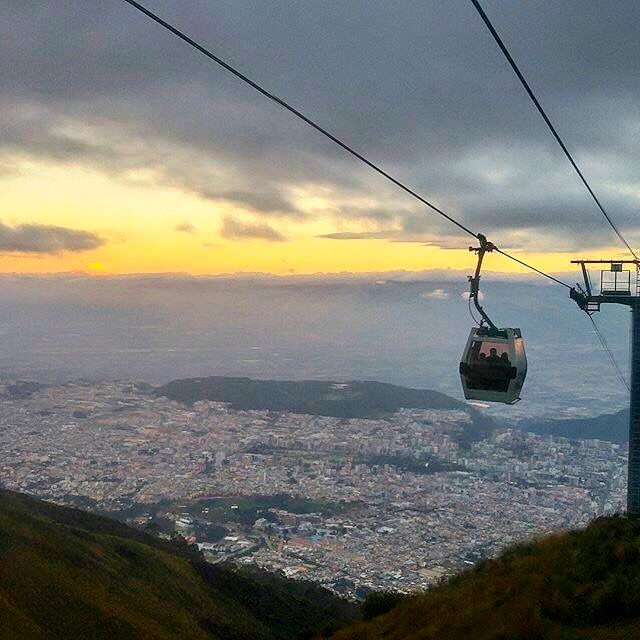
579	585
316	397
69	574
611	427
353	399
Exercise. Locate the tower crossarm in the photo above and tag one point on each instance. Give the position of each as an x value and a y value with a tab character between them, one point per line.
585	301
615	287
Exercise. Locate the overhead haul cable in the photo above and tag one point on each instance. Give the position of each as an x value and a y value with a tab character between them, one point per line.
558	139
542	112
525	264
605	346
285	105
295	112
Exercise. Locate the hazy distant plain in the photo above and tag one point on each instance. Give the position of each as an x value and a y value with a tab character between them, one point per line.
157	328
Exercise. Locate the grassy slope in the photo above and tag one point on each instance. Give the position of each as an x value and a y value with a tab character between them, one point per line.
69	574
580	585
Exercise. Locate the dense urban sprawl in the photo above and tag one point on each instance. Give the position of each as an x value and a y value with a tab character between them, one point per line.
396	502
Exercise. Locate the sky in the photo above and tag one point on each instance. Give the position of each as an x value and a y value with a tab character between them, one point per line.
122	150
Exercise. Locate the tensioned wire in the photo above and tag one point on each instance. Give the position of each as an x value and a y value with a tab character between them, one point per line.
334	138
307	120
545	117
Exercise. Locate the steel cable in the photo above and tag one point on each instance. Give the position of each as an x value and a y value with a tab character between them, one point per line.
271	96
542	112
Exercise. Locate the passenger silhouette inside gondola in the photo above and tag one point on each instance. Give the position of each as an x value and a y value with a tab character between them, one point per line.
493	356
504	359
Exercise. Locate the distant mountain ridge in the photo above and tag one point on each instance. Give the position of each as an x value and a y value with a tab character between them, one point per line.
611	427
68	574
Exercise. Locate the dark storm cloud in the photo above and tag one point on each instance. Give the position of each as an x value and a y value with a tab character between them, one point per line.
46	239
419	86
234	229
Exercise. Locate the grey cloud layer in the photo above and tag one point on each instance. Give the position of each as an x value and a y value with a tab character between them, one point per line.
47	239
419	86
233	229
186	227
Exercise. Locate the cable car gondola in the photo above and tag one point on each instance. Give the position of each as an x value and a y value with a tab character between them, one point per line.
494	364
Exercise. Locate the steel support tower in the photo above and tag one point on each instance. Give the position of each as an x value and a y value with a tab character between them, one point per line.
633	490
616	288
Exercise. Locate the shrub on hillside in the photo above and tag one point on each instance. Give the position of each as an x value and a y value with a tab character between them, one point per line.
380	602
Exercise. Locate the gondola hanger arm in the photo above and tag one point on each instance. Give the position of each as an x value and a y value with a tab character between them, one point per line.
474	280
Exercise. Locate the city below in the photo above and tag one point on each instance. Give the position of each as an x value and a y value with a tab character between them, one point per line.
394	502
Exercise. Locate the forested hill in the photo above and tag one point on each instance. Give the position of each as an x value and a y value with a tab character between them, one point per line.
355	399
611	427
583	585
68	574
315	397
